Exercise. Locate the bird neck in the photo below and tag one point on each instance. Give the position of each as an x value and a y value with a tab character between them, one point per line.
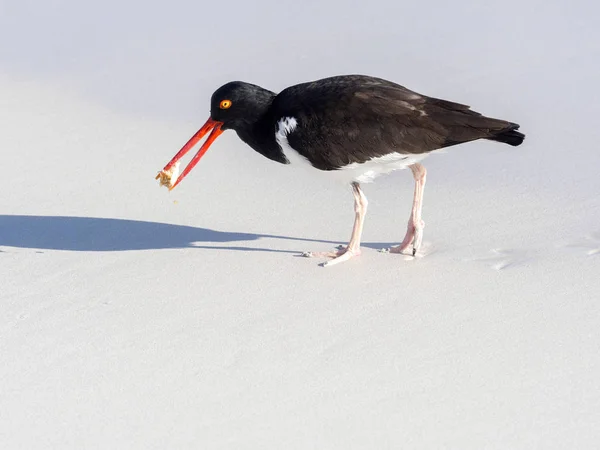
259	133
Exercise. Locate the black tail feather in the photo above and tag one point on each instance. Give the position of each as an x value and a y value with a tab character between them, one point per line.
510	136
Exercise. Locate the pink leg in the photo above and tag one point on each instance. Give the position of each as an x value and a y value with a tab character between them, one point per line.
414	231
353	248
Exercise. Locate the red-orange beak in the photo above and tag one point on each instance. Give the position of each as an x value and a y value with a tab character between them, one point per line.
210	125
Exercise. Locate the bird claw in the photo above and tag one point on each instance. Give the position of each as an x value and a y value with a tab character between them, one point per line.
340	255
341	258
413	238
400	250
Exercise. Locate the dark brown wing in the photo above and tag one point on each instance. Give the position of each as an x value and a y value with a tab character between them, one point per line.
354	118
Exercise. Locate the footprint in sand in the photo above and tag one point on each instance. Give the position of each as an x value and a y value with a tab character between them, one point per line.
590	244
502	258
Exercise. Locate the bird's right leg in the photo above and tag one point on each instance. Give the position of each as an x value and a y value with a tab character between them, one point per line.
353	248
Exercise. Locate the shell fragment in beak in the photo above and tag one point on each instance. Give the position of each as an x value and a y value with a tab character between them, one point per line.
168	177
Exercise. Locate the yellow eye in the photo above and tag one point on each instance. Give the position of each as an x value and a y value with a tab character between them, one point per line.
225	104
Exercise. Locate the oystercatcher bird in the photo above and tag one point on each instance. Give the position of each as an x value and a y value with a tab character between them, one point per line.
352	127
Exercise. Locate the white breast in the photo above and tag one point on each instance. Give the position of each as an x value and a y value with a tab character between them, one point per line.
364	172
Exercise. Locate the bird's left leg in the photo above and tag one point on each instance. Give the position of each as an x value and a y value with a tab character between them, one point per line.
353	248
414	231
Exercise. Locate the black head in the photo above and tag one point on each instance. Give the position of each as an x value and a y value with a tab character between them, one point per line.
235	105
238	104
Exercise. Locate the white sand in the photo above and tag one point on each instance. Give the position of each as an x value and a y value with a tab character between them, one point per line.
135	318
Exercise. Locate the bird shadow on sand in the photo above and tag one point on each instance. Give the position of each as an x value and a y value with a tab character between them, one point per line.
88	234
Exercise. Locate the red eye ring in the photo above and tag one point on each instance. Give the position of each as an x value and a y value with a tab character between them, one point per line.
225	104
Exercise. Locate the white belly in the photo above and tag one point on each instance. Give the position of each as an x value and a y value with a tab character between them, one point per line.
369	170
364	172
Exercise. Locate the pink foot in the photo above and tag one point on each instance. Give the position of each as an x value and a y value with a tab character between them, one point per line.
339	256
412	241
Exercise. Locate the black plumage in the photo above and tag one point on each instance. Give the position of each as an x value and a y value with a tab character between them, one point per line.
352	119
